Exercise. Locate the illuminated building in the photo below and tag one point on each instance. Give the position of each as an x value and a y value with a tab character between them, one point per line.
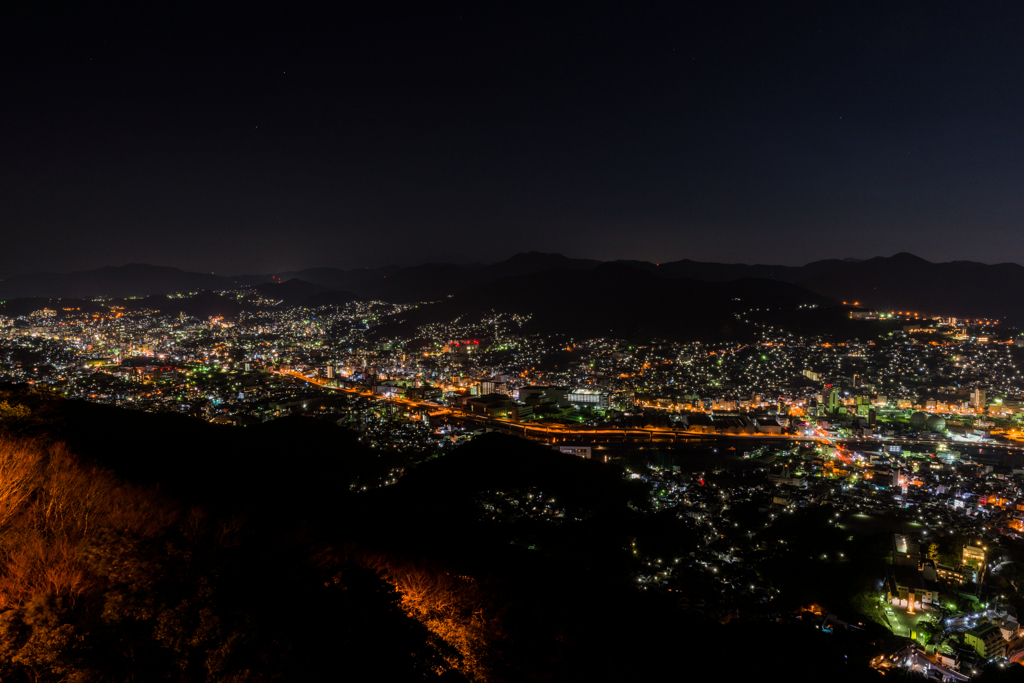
974	556
489	386
461	351
831	401
587	397
538	394
909	585
491	405
978	398
581	451
987	640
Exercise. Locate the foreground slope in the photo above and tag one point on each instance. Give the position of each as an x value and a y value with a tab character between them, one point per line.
271	571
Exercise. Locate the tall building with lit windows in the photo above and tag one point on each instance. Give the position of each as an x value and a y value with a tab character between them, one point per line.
978	398
830	401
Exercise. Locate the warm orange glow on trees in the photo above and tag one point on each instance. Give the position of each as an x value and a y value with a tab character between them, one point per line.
104	580
452	607
50	505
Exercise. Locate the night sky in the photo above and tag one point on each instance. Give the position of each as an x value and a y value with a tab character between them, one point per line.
248	140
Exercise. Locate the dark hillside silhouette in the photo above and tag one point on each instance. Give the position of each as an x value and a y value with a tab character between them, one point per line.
615	300
223	553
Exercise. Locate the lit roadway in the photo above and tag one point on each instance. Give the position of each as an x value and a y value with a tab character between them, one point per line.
555	433
917	661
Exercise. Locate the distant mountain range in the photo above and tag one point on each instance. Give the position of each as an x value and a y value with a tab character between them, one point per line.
900	282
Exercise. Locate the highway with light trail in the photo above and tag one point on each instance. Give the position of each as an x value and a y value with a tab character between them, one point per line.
561	433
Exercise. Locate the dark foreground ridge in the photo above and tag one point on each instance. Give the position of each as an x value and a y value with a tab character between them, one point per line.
155	547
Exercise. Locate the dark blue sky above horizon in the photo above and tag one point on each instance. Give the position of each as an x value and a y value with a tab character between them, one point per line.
243	140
